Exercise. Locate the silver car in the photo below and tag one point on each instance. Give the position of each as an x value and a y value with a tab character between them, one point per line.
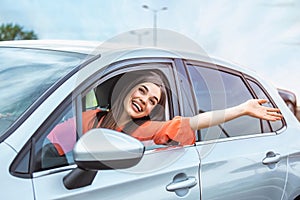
46	83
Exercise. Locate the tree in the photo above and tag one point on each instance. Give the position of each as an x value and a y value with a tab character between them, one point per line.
15	32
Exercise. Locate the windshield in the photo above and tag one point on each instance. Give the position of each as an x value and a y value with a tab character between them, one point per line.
25	74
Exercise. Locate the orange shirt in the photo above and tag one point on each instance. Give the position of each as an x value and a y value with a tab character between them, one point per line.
63	136
177	129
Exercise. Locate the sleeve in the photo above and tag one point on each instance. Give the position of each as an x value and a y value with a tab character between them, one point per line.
177	129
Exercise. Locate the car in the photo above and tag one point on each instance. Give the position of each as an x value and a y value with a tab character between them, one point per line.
289	98
45	83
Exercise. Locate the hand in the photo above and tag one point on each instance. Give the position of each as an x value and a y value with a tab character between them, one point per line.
254	108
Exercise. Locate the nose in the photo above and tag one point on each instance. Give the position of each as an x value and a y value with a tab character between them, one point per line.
142	100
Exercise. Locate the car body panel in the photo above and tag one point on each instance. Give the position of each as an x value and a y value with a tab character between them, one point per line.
147	179
13	187
235	170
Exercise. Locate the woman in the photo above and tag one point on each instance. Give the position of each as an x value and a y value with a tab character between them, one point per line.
138	110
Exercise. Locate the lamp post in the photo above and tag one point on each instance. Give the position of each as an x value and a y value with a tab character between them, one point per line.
139	35
155	11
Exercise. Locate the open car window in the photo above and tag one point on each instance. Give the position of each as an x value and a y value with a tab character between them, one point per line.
100	97
52	145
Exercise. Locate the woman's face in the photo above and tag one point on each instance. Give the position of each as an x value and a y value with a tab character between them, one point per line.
142	99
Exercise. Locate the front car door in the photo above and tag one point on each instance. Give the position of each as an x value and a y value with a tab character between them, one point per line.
243	158
165	172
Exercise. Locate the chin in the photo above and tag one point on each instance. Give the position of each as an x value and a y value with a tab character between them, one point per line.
136	116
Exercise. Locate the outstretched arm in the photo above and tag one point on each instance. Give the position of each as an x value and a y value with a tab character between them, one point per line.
251	108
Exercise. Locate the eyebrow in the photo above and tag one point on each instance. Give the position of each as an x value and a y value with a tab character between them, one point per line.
146	88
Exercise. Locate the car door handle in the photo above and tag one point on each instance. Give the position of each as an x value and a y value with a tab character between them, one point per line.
271	158
188	183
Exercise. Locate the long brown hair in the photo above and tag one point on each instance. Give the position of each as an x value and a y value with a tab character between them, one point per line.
122	88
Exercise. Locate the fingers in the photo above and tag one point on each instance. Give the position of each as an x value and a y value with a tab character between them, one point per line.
273	110
262	101
264	112
274	118
273	114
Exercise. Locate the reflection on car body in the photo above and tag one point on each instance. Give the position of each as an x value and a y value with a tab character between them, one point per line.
245	158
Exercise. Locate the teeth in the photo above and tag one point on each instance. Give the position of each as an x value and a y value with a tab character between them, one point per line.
137	106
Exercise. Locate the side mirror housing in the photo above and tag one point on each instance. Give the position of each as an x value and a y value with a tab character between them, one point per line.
102	149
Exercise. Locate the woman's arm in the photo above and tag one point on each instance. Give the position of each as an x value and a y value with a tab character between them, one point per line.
251	108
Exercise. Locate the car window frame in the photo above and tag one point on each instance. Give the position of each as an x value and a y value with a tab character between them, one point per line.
271	100
75	99
129	65
122	66
29	147
243	77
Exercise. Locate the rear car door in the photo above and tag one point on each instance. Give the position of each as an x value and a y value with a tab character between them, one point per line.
165	172
243	158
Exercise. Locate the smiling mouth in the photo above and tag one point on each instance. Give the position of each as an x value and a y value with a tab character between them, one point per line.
137	106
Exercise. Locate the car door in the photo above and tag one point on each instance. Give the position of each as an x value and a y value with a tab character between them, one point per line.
164	172
243	158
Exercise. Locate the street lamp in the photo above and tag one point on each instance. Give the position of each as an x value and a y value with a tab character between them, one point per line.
155	11
139	35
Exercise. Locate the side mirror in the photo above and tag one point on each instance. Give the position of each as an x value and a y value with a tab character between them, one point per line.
101	149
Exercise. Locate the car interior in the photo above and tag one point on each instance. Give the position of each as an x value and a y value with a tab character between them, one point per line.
49	156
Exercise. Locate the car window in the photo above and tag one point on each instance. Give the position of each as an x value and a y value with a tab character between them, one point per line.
275	126
28	73
101	96
90	100
214	90
54	147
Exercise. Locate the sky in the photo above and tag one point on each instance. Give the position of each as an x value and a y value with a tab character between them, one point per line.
261	35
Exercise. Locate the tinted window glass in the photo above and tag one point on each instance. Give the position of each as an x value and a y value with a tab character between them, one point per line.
54	148
215	90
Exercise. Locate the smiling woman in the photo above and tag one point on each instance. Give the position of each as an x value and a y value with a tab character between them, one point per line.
134	97
139	98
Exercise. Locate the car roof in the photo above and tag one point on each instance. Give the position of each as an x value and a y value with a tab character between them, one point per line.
131	51
76	46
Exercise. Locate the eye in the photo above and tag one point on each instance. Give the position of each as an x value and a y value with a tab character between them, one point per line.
142	90
152	102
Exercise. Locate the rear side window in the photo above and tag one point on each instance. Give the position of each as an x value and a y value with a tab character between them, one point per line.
217	90
275	126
